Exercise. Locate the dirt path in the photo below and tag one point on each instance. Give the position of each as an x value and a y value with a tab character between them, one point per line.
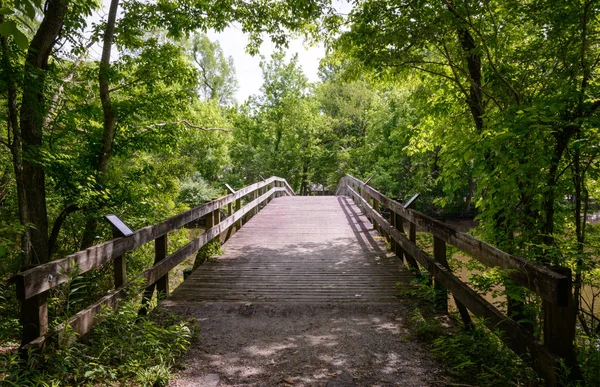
305	345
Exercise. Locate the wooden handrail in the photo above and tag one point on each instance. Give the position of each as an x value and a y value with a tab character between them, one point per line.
554	287
548	284
32	285
47	276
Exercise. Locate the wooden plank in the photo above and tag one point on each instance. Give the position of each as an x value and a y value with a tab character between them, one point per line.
439	254
49	275
318	254
159	269
34	318
83	321
513	335
548	284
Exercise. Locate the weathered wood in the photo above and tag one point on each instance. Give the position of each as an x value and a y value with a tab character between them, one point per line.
174	259
439	254
83	321
52	274
376	207
34	317
119	263
549	285
230	230
338	258
559	324
410	261
162	283
238	206
216	220
513	335
160	253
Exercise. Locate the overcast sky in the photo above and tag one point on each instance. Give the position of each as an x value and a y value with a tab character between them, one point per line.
248	73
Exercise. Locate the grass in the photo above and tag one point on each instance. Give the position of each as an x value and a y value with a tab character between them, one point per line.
123	349
475	357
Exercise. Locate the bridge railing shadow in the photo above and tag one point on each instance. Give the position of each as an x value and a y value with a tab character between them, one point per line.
33	285
552	285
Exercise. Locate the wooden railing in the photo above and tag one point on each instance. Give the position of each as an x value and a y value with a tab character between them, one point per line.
33	285
552	286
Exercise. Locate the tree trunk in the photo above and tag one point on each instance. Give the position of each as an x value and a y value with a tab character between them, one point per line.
14	137
89	234
32	117
473	59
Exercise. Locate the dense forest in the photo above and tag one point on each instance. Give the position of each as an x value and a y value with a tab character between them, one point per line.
487	109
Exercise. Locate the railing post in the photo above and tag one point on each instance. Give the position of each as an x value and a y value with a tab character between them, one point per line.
559	327
230	230
162	284
216	215
376	208
238	206
253	197
212	219
120	230
34	318
439	254
396	221
209	221
119	265
160	253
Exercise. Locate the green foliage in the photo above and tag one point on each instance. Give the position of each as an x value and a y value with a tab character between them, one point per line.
196	191
208	252
477	356
589	358
123	349
216	74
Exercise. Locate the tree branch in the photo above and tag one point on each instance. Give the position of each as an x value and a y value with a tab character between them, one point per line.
58	225
486	49
124	85
184	122
66	80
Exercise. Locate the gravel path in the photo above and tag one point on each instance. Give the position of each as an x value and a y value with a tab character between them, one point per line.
245	344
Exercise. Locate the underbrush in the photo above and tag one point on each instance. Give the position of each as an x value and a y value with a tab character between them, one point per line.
476	356
123	349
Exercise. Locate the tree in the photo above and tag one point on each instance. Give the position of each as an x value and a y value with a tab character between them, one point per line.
25	137
216	74
281	131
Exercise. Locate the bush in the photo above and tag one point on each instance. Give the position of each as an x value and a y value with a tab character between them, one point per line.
123	349
476	356
196	191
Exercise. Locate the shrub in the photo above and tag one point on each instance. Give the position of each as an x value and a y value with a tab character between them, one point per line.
123	349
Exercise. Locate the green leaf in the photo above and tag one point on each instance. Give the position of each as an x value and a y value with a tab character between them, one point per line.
29	10
3	251
21	39
6	11
7	28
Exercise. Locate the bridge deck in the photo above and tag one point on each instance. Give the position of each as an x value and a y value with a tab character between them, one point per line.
300	249
305	295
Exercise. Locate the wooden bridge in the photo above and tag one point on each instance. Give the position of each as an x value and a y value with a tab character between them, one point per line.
328	250
300	249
